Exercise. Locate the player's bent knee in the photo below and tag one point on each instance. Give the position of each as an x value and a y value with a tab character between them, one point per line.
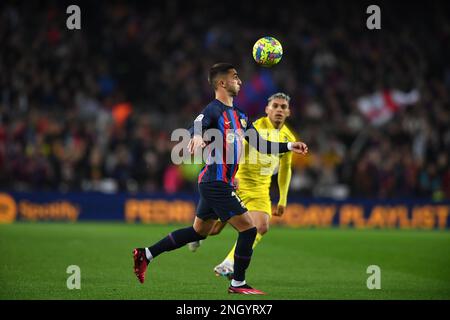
204	232
214	232
217	228
262	228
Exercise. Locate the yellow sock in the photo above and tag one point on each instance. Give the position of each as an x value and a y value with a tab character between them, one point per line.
230	256
257	240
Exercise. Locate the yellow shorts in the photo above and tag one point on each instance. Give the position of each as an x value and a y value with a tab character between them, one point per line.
256	203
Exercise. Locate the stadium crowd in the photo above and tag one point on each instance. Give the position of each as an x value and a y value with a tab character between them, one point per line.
93	109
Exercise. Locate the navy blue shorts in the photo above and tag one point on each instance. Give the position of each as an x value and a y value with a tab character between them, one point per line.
218	200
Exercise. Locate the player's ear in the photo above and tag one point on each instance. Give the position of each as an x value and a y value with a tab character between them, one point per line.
221	81
267	110
288	112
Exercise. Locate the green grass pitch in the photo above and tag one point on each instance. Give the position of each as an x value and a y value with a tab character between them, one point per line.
288	263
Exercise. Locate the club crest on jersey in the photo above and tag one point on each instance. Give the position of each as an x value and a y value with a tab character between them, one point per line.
244	123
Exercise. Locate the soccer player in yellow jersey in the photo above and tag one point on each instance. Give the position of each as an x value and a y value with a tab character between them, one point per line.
255	172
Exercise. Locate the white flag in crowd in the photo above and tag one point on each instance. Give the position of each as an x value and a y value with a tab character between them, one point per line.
381	106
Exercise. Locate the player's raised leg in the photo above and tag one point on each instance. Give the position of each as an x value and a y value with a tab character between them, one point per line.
174	240
217	228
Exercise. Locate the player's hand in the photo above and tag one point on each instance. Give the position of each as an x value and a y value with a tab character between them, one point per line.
299	147
280	211
195	143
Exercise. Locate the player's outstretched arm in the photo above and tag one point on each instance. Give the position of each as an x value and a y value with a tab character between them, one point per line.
269	147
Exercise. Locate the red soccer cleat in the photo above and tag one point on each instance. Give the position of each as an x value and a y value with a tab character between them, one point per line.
245	289
140	264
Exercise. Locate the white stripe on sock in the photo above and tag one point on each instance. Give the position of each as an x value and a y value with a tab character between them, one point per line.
235	283
148	254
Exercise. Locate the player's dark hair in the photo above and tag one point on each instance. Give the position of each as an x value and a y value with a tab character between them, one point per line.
217	70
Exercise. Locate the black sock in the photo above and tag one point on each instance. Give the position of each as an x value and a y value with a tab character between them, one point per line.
243	253
175	240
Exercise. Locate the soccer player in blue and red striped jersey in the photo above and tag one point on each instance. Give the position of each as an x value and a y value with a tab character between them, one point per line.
218	199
